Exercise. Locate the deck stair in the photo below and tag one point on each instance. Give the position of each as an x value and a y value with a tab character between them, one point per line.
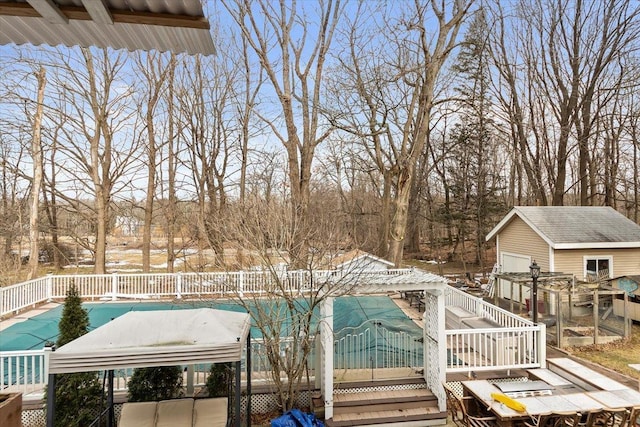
400	402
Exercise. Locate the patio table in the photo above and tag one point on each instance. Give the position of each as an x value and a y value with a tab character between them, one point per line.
583	375
549	377
616	399
636	366
535	405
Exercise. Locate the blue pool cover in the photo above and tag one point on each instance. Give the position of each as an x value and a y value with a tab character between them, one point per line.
34	333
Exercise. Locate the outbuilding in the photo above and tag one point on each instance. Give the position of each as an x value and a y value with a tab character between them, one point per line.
589	242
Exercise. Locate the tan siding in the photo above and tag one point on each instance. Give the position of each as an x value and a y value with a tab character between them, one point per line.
518	238
571	261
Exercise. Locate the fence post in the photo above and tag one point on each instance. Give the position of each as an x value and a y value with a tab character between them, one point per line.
45	374
241	283
49	287
179	285
114	286
542	345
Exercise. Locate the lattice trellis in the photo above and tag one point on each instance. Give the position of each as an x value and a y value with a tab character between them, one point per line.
432	325
379	388
38	417
262	403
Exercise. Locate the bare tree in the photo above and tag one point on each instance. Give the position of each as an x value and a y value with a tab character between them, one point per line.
154	70
210	129
36	181
249	94
13	200
398	128
98	147
632	125
569	58
172	202
292	52
286	310
49	197
511	91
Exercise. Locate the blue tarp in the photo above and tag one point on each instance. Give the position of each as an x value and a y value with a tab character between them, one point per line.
296	418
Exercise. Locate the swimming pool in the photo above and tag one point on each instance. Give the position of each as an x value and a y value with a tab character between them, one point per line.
349	312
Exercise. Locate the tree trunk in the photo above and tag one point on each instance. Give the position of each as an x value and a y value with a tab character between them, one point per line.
36	182
151	190
171	171
400	215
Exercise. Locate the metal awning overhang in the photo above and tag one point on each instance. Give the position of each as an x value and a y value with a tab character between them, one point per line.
156	338
162	25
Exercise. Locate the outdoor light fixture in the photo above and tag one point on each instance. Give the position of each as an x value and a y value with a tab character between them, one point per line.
535	272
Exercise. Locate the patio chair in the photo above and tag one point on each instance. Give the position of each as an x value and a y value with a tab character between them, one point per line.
457	408
210	412
138	414
608	418
634	417
175	413
555	419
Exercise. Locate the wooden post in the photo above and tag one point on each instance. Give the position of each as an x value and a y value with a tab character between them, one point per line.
51	399
559	322
596	319
111	413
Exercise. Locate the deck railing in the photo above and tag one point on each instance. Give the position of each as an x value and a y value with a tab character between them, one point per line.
116	286
507	342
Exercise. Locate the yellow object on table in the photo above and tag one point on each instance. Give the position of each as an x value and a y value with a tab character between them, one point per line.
509	402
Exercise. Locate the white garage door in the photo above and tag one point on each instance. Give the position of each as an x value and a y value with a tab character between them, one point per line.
512	263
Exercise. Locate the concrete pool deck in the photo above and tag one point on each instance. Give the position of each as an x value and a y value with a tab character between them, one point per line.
27	314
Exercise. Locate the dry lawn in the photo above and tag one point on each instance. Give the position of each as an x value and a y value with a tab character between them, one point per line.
616	355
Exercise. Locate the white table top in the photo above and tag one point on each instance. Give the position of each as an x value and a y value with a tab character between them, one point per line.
616	399
538	405
549	377
586	374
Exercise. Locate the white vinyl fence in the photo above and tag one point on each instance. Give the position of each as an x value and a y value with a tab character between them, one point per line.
510	342
170	285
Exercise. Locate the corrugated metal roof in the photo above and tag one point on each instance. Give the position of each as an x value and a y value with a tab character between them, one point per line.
163	25
575	227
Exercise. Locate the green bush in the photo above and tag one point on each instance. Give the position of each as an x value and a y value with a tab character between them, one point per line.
79	396
157	383
220	380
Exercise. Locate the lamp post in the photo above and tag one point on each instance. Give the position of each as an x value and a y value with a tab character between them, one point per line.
535	272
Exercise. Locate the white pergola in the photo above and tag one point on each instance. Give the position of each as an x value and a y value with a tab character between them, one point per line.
434	334
157	338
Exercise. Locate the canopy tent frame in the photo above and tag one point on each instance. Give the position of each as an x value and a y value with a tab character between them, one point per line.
167	337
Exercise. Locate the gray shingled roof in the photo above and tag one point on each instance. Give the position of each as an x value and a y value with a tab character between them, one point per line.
577	226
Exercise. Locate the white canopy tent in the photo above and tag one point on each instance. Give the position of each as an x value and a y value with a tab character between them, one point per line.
157	338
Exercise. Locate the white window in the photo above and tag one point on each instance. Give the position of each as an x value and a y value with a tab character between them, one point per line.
598	267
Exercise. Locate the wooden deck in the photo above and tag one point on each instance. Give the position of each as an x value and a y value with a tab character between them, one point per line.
401	402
